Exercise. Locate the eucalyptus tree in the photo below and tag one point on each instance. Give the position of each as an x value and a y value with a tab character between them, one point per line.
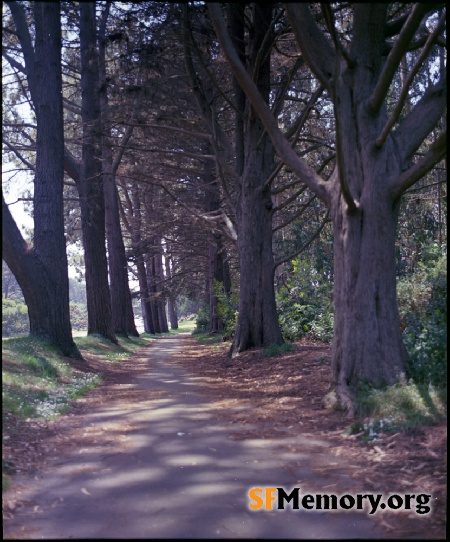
376	161
41	270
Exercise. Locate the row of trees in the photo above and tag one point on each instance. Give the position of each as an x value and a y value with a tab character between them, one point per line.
203	144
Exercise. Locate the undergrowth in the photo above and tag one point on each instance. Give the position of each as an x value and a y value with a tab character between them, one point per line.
401	407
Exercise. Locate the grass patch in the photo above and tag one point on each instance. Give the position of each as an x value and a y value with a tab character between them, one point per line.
399	407
274	350
38	383
184	326
203	337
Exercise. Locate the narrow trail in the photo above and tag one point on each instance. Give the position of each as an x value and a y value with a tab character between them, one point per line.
163	465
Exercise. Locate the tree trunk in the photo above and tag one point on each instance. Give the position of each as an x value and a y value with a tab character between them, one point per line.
258	320
90	185
42	271
257	324
368	344
159	283
215	256
121	304
171	302
151	283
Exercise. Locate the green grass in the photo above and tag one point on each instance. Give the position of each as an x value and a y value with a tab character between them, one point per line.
274	350
403	407
38	383
185	326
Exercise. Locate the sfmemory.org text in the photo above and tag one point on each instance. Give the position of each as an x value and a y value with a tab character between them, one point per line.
275	498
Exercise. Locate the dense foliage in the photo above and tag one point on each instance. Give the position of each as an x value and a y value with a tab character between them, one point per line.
423	310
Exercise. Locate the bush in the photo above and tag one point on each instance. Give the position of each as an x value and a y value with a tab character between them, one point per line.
305	303
227	308
202	322
423	313
78	316
14	318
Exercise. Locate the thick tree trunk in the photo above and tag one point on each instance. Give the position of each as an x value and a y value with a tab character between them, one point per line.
257	324
368	344
42	271
90	185
121	303
258	320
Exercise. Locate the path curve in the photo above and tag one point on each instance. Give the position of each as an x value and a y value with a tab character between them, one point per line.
168	467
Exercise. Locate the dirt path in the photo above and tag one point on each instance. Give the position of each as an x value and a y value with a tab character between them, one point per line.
149	456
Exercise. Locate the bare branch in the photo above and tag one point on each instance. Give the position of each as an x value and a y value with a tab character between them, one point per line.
314	45
229	230
14	63
282	146
19	155
435	154
305	245
412	130
166	127
290	199
296	215
71	165
395	56
404	93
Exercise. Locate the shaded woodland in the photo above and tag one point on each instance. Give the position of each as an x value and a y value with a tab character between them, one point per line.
277	169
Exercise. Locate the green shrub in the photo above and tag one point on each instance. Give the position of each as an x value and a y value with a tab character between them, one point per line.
423	313
78	316
202	322
227	308
305	303
14	318
401	406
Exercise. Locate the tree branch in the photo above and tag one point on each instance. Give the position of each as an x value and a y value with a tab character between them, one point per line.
412	130
305	245
296	215
14	63
71	165
26	44
282	146
433	156
404	93
314	45
394	58
19	155
166	127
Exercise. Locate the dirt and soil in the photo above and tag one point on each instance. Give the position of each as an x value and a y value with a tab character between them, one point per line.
276	398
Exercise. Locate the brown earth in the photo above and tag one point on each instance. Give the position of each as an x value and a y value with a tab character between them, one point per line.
282	396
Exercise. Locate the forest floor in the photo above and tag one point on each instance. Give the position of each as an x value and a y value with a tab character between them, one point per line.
276	397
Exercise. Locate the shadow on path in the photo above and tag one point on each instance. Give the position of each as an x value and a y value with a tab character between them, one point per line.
167	467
